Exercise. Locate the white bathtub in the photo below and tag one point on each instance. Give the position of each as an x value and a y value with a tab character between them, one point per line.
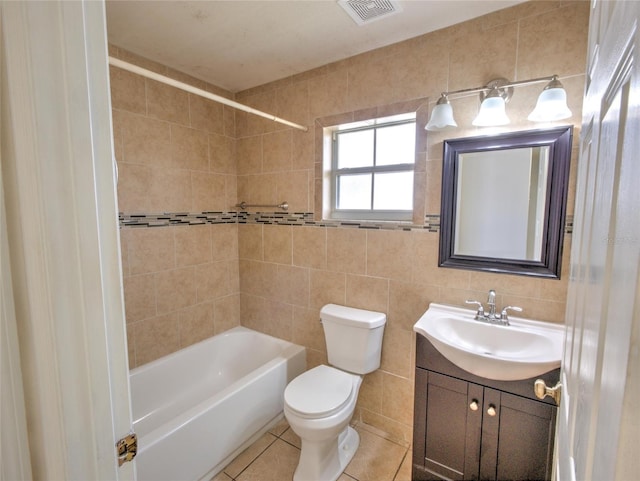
198	408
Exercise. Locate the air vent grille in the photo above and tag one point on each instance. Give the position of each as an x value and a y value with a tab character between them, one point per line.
365	11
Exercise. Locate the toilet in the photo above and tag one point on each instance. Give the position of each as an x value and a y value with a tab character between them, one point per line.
319	403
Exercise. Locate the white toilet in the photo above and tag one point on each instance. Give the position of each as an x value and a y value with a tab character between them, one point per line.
319	403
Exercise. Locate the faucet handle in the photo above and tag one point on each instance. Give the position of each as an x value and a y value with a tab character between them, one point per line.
480	312
504	316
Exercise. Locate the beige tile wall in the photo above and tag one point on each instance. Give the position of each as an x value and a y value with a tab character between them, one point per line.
181	286
286	273
175	153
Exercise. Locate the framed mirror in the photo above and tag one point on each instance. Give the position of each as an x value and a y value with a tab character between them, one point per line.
504	202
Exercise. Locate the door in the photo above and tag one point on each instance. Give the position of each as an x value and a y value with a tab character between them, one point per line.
598	429
61	243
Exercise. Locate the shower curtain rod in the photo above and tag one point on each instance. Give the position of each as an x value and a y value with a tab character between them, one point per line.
202	93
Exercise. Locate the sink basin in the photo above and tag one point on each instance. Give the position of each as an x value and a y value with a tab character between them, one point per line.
521	350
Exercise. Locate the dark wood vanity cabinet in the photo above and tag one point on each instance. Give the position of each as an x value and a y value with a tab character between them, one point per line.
467	427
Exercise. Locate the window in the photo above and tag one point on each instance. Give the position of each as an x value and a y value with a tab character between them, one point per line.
372	165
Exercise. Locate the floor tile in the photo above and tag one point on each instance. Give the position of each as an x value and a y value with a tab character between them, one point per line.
245	458
404	473
277	463
377	459
221	477
279	428
292	438
275	456
346	477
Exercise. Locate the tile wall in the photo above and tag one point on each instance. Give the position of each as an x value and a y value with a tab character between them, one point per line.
287	272
175	153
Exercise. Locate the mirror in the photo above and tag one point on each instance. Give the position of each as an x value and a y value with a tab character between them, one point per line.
504	202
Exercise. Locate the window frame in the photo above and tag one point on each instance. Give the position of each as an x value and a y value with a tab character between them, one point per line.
335	172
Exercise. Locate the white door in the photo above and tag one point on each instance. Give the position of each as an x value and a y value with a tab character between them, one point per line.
60	253
598	426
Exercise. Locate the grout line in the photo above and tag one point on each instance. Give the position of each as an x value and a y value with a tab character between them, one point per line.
280	437
395	476
379	432
290	444
254	459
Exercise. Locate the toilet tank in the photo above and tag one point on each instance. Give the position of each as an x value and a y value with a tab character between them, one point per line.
353	337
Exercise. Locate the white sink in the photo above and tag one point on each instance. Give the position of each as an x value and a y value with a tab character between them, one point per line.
521	350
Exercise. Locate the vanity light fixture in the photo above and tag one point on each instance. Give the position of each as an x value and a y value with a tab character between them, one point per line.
442	115
492	109
551	104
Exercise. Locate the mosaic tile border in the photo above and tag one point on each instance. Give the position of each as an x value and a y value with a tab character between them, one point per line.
568	225
431	224
176	218
275	218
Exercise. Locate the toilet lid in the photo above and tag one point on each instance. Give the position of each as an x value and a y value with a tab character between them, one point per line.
319	392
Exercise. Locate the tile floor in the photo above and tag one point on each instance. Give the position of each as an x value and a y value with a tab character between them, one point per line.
274	457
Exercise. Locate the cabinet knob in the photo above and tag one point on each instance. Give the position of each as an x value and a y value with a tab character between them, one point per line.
474	405
492	410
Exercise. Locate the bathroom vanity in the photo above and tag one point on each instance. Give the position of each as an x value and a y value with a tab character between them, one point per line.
470	427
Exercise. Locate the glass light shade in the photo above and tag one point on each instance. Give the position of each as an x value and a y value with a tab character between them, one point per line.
441	116
492	113
551	105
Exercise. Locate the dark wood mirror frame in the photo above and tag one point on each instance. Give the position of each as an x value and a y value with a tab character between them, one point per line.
559	141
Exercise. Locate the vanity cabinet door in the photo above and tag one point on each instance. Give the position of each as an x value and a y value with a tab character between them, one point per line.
525	456
490	434
452	428
517	438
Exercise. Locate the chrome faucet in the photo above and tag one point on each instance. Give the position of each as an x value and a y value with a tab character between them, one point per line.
491	301
491	316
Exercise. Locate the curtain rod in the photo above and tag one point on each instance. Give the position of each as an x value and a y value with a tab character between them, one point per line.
202	93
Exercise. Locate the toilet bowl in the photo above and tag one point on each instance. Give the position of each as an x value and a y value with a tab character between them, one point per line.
319	403
318	406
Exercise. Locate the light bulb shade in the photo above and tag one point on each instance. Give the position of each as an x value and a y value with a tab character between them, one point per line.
492	112
551	105
441	116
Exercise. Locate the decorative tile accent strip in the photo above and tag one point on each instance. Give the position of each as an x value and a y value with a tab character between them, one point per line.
177	218
276	218
431	221
568	225
306	219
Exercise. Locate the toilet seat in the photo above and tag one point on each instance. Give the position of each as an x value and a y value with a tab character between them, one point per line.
319	392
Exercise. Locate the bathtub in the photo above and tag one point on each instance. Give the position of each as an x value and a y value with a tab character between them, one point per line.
198	408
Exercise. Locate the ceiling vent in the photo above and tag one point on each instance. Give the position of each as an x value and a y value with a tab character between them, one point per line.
366	11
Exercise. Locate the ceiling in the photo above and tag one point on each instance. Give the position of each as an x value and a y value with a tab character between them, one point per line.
238	44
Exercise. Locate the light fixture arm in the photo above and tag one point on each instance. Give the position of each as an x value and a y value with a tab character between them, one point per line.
551	104
486	88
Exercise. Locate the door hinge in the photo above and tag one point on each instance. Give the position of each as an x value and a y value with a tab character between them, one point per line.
127	448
